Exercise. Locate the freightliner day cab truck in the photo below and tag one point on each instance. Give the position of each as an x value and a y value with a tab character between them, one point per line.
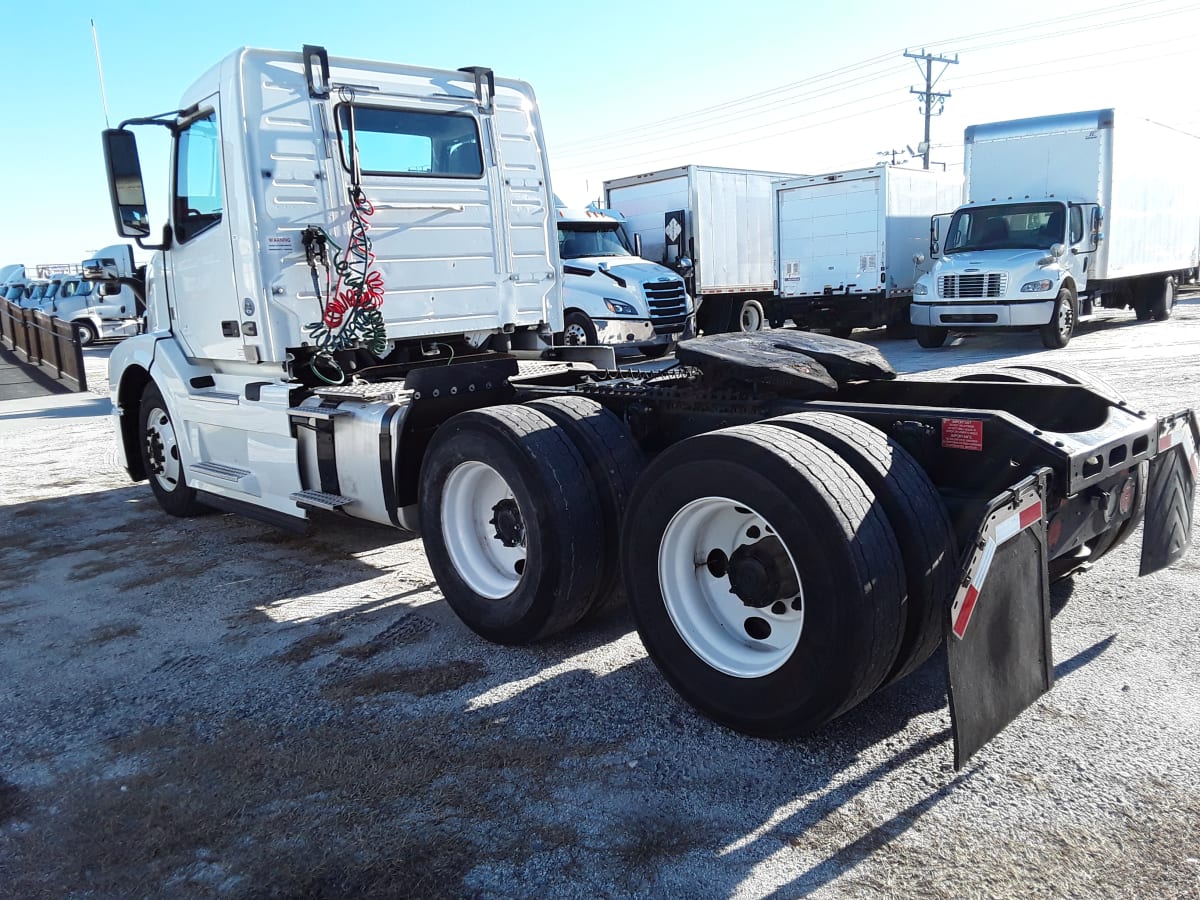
610	295
713	226
793	526
107	311
845	242
1063	214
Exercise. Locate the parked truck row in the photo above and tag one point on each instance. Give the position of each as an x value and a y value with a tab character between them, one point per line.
1056	216
98	311
352	307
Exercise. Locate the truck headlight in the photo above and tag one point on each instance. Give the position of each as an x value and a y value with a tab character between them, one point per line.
619	307
1030	287
921	288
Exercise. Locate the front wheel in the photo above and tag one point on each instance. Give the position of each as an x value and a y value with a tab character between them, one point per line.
1057	333
161	458
87	333
579	330
764	579
929	337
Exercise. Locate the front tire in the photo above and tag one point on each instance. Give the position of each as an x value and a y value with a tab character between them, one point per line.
87	333
765	581
579	330
162	460
931	337
1057	333
512	523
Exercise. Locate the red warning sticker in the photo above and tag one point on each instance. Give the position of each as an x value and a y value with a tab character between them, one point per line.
962	434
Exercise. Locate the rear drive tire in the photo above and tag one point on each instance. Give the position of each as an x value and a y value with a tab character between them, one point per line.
814	627
749	317
161	458
1164	300
614	462
511	523
931	337
1057	333
917	515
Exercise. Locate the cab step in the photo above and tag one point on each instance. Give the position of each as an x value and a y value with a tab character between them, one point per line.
320	500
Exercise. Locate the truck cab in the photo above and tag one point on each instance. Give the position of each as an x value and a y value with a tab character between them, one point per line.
104	310
611	295
1015	264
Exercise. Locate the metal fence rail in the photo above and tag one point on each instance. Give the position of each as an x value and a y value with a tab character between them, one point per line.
44	342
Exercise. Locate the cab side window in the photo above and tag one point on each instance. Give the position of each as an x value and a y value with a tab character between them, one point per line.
197	199
1076	224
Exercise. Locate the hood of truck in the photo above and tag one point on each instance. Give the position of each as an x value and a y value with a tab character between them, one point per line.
972	261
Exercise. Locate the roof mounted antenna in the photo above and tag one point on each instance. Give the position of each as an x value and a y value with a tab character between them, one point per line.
100	72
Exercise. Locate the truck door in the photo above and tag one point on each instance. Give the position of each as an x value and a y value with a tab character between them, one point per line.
202	300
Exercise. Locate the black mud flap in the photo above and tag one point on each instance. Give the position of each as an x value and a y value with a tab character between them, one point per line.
998	633
1171	492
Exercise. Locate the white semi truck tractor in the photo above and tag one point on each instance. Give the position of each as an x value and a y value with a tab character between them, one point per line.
611	296
350	307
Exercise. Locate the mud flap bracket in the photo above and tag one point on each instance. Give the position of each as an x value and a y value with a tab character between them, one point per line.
998	631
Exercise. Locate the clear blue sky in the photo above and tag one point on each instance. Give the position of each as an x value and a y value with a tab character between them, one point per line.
625	87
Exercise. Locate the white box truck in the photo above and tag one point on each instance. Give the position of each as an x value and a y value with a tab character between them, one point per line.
1063	214
349	310
845	244
712	225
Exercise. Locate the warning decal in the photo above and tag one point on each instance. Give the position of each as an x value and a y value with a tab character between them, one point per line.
279	243
962	434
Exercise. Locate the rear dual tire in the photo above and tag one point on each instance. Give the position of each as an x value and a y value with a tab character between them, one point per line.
764	579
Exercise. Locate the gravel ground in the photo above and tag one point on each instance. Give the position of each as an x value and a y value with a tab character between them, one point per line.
211	707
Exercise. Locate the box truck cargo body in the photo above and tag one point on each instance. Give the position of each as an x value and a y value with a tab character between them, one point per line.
714	226
846	241
1063	214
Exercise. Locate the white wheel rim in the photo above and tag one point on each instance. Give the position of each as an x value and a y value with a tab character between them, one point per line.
724	632
85	336
474	496
162	449
751	319
575	336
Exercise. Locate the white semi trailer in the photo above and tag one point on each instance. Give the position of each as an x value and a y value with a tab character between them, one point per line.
845	242
1063	214
714	226
350	308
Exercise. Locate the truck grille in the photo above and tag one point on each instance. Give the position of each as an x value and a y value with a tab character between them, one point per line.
668	304
991	284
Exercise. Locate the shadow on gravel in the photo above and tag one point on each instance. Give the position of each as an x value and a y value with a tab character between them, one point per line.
1083	657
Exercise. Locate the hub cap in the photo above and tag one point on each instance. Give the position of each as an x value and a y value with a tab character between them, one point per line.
730	587
1066	318
483	529
162	450
575	336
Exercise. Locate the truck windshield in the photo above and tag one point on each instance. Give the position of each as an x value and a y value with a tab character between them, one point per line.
578	239
1016	226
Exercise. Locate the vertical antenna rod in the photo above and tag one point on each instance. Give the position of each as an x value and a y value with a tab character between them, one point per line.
100	72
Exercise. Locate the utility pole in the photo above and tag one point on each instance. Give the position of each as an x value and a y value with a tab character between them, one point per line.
928	96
